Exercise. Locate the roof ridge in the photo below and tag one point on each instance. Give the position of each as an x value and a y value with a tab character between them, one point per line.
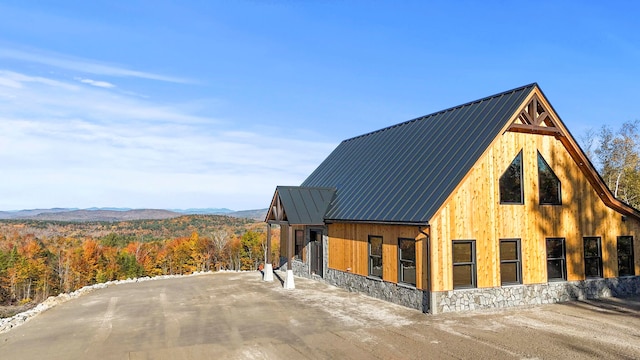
305	187
445	110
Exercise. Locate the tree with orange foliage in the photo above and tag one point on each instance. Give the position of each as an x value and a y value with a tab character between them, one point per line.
235	253
252	251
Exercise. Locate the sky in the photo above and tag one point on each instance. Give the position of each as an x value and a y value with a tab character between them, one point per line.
210	104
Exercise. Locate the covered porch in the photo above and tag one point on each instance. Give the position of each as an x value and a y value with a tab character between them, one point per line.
299	211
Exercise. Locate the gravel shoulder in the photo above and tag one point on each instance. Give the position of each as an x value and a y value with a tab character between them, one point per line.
237	316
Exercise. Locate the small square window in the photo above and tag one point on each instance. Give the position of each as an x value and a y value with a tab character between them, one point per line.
464	264
299	246
626	265
407	261
510	264
375	256
592	257
556	262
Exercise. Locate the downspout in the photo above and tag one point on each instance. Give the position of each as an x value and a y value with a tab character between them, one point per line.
428	264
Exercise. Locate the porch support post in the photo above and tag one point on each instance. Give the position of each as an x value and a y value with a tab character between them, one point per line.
268	266
289	283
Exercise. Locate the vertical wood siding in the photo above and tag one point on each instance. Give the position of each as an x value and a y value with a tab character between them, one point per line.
474	211
348	249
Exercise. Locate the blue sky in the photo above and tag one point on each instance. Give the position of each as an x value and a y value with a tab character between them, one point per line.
182	104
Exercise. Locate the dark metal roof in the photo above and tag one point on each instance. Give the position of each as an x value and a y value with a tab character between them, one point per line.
404	173
305	205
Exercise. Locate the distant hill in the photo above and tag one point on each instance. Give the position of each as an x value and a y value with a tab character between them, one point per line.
123	214
205	211
23	214
258	214
106	215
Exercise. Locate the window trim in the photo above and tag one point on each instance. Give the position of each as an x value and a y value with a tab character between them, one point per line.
474	274
598	257
559	200
631	256
518	262
521	202
370	263
400	260
563	258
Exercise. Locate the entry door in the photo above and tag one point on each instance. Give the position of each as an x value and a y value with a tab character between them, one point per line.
315	238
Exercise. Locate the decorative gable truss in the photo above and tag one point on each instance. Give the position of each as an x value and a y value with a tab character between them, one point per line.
276	210
535	119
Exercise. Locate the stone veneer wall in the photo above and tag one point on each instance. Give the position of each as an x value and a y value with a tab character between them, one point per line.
518	295
299	268
397	294
303	269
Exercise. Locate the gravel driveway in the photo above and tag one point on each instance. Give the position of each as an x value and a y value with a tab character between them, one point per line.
237	316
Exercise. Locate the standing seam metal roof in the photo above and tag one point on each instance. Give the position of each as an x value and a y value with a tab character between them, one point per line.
305	205
405	172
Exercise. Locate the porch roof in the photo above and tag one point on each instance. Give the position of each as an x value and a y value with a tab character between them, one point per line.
299	205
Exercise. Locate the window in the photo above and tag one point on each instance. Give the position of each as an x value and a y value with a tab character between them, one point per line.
464	264
510	266
299	243
511	182
556	264
625	256
407	261
592	257
375	256
548	183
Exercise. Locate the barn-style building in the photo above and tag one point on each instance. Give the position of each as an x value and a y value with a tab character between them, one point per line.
487	204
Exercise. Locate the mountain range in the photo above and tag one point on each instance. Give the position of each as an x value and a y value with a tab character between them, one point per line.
122	214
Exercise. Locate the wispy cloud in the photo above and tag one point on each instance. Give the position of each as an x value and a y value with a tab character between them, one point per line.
63	144
17	80
97	83
83	65
39	97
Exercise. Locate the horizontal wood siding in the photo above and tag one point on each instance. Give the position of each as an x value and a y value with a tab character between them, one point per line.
474	211
349	251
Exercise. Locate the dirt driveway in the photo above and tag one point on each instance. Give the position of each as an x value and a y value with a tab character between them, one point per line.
237	316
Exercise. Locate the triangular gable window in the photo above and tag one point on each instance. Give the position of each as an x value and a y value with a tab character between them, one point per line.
548	184
511	183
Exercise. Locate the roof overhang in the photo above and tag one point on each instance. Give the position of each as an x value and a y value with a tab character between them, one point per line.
378	222
299	205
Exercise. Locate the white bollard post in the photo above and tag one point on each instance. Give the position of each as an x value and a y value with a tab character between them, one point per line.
268	272
288	282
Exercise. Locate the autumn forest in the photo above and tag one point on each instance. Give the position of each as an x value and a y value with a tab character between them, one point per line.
39	259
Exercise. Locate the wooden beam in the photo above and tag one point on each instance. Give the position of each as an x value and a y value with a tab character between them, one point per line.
533	129
267	256
527	117
290	244
533	110
542	118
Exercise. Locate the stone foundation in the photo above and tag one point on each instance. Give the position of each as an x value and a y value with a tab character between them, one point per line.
397	294
299	268
520	295
473	299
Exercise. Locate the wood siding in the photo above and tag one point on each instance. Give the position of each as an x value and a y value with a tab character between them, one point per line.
349	251
473	211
